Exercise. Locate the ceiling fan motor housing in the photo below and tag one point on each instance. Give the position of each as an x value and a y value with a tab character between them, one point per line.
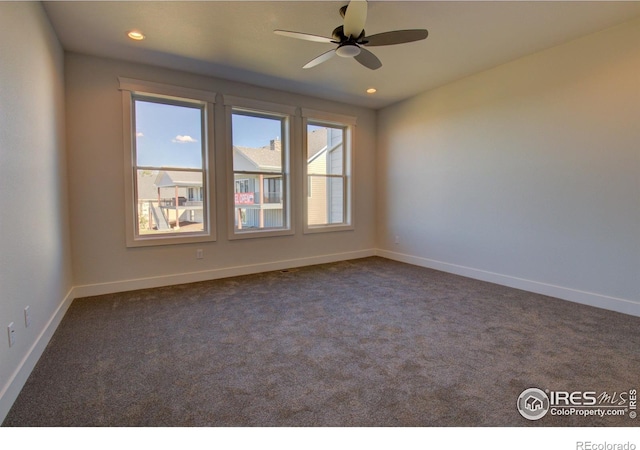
338	36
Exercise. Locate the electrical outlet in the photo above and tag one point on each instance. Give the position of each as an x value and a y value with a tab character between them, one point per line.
199	254
11	332
27	316
397	240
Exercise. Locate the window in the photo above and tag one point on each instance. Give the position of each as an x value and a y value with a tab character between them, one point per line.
166	141
168	136
242	186
259	135
328	161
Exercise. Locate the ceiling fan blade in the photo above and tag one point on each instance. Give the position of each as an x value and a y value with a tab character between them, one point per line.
368	59
396	37
304	36
355	18
320	59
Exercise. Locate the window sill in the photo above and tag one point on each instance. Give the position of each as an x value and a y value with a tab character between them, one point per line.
171	239
328	228
251	234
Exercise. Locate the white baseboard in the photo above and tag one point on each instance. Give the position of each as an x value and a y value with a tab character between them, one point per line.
14	385
587	298
89	290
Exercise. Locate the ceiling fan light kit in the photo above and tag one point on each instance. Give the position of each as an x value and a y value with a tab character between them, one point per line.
348	50
351	37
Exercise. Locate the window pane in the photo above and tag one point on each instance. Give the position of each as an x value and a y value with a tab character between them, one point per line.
325	204
169	201
325	175
258	201
257	140
168	135
259	177
325	150
335	200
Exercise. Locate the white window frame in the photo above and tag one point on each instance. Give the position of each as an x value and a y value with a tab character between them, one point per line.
270	110
131	90
348	124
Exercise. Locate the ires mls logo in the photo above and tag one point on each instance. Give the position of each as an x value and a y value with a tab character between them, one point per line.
533	403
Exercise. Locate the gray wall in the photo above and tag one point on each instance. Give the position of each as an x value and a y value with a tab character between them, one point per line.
527	174
34	237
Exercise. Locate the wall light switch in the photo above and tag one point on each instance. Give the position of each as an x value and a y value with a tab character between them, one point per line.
27	316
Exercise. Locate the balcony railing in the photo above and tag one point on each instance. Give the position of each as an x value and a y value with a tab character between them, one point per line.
272	197
182	201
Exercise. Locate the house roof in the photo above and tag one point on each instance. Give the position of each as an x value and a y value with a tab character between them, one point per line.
268	159
316	142
172	178
263	158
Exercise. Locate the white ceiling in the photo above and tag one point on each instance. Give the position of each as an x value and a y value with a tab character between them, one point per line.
235	39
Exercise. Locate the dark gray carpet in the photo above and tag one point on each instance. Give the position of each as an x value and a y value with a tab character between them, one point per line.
369	342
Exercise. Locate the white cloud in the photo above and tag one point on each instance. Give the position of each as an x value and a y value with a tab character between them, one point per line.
139	134
180	139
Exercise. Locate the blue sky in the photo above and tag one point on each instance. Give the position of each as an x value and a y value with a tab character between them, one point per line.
254	132
168	135
171	136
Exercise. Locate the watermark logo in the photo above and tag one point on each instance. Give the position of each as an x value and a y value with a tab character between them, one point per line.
588	445
533	404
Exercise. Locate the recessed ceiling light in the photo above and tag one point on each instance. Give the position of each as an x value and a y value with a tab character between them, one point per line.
136	35
372	91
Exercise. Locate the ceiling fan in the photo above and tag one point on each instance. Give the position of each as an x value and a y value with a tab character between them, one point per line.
351	38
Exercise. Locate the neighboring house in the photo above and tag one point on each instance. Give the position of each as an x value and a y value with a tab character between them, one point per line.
166	195
325	193
168	198
258	186
258	181
180	196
